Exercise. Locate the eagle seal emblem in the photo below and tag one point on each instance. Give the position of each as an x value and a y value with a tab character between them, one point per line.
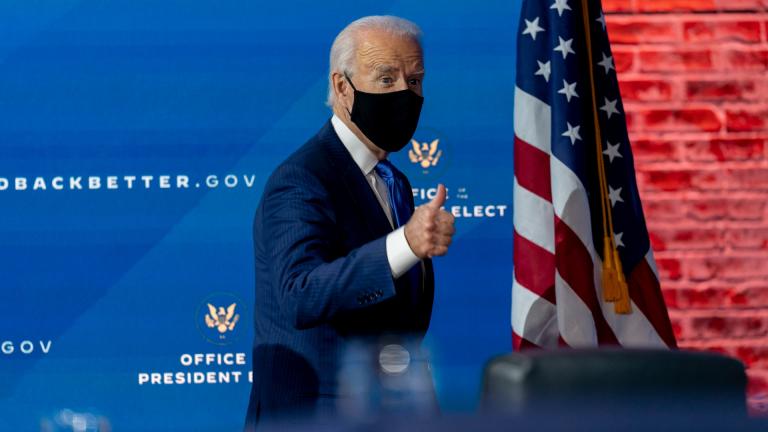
221	319
217	317
425	154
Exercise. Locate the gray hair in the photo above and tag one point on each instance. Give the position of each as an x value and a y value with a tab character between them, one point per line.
343	48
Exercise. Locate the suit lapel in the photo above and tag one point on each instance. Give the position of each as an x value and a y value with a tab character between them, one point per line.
361	196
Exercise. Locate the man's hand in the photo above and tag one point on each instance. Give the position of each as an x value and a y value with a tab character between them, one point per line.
430	229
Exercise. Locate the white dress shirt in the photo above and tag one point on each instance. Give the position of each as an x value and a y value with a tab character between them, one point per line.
399	254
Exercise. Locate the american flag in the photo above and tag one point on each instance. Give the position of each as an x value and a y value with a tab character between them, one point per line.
575	194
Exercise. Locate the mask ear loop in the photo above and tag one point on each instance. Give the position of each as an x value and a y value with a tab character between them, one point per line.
353	88
349	81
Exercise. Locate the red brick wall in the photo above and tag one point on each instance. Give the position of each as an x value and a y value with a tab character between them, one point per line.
694	78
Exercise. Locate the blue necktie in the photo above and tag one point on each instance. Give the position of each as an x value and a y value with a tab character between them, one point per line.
398	201
400	205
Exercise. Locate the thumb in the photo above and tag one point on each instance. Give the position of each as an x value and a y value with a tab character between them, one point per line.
439	198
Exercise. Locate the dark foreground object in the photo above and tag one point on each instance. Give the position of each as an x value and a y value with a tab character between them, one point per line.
675	383
552	420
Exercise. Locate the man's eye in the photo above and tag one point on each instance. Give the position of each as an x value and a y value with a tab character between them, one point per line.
386	80
414	81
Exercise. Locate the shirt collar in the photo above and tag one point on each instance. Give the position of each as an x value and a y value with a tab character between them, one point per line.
362	155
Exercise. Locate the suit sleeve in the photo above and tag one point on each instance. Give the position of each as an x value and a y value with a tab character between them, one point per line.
300	233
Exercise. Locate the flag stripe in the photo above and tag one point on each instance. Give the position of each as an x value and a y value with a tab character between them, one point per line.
577	326
575	266
530	211
570	202
532	121
533	317
528	273
520	343
653	307
532	169
652	263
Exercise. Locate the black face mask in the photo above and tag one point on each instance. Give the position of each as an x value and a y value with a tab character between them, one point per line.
387	119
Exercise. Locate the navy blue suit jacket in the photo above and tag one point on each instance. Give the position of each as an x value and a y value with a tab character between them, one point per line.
322	277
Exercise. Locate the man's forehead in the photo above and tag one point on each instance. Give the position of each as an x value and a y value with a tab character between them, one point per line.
382	42
385	52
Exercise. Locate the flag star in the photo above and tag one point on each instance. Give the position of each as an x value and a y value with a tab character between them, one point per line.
612	151
610	107
560	5
617	239
614	195
572	133
545	69
601	20
532	28
565	47
568	90
607	63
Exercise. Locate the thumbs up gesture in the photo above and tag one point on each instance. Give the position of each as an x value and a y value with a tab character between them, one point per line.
430	230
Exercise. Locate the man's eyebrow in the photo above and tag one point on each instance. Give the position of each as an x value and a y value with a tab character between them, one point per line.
386	69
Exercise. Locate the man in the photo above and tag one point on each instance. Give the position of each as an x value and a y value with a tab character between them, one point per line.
340	253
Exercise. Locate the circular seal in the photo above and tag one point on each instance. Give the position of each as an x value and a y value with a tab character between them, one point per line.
427	155
218	318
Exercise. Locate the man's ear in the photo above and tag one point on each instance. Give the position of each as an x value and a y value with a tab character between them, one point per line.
342	90
340	85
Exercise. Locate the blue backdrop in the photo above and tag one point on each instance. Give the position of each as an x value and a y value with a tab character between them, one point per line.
135	140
